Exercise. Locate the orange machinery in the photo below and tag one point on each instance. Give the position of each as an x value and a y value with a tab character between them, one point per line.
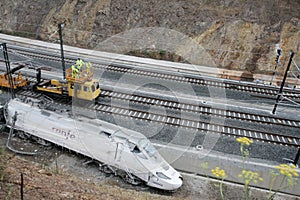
82	86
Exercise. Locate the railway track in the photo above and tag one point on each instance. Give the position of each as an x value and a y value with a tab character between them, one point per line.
184	122
202	109
255	89
201	126
197	108
174	120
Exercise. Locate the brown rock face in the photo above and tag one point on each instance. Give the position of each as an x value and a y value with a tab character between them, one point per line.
241	35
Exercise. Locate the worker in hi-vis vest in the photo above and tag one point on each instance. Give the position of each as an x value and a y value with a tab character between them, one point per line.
79	63
74	71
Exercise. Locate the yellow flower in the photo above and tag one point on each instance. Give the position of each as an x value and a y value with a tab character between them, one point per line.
287	170
219	173
250	176
244	140
204	165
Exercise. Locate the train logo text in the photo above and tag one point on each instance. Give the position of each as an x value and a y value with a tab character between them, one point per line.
66	133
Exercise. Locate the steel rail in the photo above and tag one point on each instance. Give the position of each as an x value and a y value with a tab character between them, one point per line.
198	108
202	109
205	81
183	122
198	125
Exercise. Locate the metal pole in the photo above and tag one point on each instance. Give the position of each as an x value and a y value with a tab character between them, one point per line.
276	60
8	72
283	82
62	50
297	157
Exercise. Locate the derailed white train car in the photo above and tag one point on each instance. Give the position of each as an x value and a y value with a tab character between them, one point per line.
116	148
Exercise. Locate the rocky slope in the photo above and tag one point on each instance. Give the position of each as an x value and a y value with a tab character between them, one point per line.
232	34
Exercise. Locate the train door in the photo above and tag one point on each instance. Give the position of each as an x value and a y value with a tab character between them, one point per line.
77	91
74	89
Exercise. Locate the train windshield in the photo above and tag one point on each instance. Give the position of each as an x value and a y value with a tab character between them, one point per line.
148	147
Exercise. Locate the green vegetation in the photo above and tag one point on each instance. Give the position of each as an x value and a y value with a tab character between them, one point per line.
249	177
220	174
286	174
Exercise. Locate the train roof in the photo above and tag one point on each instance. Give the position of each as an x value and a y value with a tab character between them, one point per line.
114	130
110	129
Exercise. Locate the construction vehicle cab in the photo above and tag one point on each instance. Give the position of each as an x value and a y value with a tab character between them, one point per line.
88	90
79	84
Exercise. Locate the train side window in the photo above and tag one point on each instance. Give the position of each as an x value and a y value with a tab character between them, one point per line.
86	88
93	88
97	85
72	85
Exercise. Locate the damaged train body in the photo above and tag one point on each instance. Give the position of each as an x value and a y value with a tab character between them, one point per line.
117	149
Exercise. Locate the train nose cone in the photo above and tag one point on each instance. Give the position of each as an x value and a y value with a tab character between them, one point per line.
177	183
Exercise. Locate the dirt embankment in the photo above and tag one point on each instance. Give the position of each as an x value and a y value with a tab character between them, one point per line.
52	182
56	174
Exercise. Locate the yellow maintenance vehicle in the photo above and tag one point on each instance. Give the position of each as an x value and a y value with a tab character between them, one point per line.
79	83
17	81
